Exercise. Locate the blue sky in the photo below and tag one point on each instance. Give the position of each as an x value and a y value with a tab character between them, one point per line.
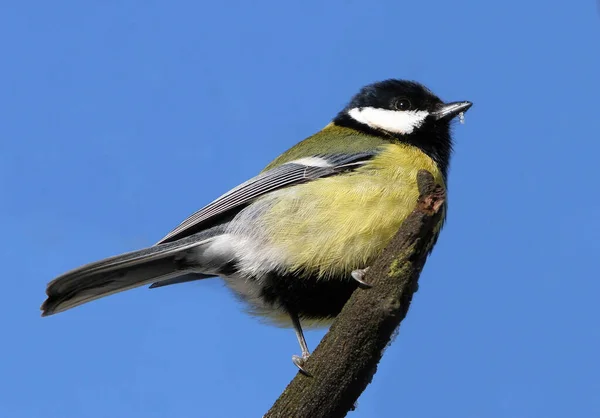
119	118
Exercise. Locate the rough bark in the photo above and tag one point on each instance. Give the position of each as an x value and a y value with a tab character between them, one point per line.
345	361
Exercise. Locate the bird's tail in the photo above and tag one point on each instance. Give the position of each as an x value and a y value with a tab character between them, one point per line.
116	274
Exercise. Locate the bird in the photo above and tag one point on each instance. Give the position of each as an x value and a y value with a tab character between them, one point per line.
294	242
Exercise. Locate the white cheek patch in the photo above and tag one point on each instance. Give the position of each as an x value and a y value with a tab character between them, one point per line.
402	122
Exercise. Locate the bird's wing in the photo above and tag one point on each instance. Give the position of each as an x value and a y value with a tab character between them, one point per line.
294	172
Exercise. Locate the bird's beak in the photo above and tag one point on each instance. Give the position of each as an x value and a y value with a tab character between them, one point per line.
450	110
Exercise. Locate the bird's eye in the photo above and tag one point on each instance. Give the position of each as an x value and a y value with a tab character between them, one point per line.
402	104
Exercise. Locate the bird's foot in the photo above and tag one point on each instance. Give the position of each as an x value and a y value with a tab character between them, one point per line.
300	362
359	275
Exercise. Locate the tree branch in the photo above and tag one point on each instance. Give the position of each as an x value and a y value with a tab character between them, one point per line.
346	360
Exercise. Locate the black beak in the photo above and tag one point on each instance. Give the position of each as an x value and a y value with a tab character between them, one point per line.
450	110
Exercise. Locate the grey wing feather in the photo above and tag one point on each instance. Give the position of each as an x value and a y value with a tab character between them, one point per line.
285	175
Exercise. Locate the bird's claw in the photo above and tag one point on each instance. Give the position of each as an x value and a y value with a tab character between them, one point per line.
300	362
359	275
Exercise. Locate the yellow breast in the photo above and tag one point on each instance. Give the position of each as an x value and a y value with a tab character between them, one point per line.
337	224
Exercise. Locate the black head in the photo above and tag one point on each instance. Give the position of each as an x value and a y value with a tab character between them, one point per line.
404	111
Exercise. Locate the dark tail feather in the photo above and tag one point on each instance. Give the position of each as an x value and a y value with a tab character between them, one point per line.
189	277
116	274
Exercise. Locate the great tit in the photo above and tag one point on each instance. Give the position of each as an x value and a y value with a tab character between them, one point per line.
294	241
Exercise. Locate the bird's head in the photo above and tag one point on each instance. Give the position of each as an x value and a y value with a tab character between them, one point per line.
404	111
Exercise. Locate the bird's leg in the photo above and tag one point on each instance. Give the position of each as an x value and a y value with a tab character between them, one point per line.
359	275
300	361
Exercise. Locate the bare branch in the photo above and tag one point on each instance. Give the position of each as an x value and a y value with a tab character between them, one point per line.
346	359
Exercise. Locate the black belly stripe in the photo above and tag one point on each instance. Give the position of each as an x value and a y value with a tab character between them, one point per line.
308	297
